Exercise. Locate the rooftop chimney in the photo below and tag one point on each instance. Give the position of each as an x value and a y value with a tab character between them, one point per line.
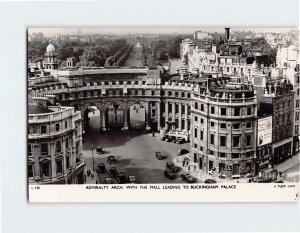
227	33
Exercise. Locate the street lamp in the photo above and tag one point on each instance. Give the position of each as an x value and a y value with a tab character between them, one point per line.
92	148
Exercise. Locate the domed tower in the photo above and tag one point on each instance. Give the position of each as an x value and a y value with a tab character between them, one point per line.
50	60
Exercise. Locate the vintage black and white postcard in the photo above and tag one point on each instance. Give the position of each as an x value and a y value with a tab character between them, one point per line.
163	114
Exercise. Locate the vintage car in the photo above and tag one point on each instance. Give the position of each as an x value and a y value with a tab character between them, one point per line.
113	172
111	159
169	174
187	178
101	168
121	178
158	155
132	179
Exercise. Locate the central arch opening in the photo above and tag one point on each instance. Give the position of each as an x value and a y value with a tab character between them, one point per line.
115	117
137	115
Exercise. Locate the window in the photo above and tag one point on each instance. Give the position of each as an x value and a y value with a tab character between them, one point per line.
248	140
297	103
176	108
29	148
202	107
45	169
212	68
237	111
249	125
201	135
189	95
58	146
249	111
43	129
283	104
196	118
44	148
235	155
236	126
30	170
66	124
212	139
143	92
242	71
67	143
67	162
170	93
195	132
223	111
176	93
195	145
182	94
170	107
223	140
223	125
222	155
227	69
196	105
152	93
201	120
236	141
248	154
212	110
201	148
212	124
57	127
59	166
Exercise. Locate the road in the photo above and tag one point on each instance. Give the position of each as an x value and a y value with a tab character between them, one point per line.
134	151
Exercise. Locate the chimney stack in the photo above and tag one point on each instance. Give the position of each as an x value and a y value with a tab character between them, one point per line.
227	33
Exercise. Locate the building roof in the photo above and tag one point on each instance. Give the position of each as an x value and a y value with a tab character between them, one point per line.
50	48
37	109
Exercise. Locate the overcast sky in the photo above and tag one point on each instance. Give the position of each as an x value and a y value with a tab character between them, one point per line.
143	30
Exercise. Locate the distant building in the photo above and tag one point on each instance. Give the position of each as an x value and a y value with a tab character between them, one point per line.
50	60
199	35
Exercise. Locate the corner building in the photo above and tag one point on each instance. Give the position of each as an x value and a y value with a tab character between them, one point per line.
224	127
54	145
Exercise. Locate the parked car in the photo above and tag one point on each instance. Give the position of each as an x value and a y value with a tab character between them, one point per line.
111	159
121	178
113	172
171	166
210	181
182	151
108	180
169	174
180	140
101	168
164	137
187	178
170	138
132	179
158	155
99	149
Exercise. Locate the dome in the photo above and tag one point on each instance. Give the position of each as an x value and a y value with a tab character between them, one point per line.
50	48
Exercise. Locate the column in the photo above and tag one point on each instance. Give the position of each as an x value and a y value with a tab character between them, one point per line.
186	118
103	119
167	114
37	170
125	128
148	114
53	162
64	154
180	116
173	112
158	112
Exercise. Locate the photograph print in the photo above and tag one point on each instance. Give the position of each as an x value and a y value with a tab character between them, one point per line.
162	105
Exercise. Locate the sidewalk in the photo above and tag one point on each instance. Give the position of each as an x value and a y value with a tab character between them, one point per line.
201	175
289	163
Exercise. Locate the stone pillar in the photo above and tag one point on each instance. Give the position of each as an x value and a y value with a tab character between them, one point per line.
148	114
103	119
180	117
186	118
158	112
167	114
126	123
37	170
53	162
173	112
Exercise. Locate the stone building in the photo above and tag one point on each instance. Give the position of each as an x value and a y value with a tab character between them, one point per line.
223	127
50	59
54	144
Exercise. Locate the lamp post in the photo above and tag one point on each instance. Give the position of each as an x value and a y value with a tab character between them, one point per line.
92	148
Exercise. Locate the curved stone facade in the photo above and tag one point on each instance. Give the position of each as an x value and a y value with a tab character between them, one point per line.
55	146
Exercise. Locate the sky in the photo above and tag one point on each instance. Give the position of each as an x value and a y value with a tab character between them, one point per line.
144	30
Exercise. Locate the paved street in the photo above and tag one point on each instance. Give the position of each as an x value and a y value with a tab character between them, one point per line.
134	151
291	168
